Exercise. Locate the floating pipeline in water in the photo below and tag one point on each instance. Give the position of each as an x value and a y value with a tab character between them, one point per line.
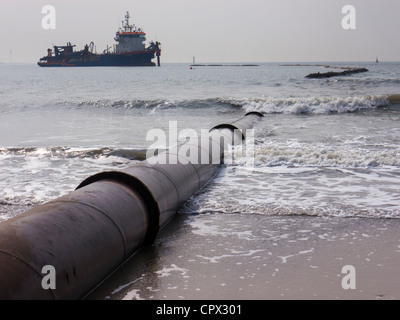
87	234
330	74
224	65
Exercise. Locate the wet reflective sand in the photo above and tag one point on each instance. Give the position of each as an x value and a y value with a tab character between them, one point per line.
253	257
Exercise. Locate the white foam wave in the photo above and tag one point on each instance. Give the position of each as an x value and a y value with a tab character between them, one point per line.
31	176
310	105
325	192
270	154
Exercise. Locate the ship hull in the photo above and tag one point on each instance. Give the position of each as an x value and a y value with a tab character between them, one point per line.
99	60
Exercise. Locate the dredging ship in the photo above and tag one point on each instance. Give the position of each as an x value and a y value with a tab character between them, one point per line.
129	51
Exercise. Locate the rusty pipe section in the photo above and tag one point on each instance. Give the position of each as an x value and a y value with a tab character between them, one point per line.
88	233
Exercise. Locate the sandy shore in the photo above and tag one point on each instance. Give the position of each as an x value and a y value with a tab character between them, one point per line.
257	257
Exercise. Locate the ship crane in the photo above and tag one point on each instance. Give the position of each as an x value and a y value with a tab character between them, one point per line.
91	47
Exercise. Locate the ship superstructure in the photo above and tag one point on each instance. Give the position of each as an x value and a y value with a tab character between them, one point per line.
129	38
130	50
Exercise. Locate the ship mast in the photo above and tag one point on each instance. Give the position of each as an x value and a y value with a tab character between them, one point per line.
127	20
127	27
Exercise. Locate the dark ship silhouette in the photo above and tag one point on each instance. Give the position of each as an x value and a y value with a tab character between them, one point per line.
130	51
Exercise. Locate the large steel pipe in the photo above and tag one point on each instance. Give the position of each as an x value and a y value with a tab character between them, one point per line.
90	232
83	235
242	124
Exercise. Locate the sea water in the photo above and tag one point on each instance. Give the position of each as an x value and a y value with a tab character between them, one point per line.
325	147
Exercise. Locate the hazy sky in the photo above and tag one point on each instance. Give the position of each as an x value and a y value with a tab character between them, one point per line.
210	30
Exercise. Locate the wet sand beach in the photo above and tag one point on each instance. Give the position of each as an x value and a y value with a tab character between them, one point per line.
256	257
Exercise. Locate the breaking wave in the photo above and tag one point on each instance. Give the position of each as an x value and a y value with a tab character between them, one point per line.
31	176
71	153
157	104
315	105
266	105
321	155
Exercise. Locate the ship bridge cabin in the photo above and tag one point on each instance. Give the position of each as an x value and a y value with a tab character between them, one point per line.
129	38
